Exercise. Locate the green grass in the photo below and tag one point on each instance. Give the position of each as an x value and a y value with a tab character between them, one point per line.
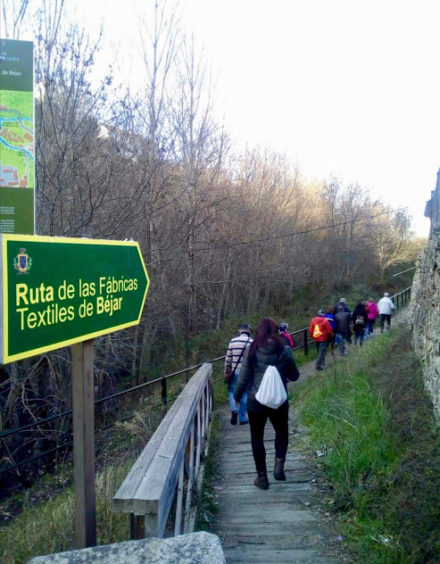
48	526
44	514
371	423
43	521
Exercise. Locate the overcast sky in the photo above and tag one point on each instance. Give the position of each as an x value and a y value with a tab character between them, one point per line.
343	87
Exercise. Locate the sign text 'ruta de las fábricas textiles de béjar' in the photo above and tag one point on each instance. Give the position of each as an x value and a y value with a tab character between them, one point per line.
58	291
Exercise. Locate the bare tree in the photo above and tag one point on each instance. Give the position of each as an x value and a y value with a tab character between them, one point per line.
12	17
391	236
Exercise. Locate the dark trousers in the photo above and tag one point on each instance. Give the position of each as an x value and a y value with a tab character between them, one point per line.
257	421
321	347
384	318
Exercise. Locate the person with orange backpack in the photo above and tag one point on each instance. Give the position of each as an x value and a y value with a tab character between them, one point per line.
321	332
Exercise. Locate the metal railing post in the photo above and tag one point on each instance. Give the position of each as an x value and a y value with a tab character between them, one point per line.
163	387
306	344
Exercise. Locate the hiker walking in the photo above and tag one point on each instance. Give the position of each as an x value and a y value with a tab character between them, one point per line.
372	313
385	307
233	363
343	304
267	349
287	338
320	330
330	315
342	329
359	322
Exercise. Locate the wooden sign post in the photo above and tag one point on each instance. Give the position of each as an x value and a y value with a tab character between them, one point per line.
84	444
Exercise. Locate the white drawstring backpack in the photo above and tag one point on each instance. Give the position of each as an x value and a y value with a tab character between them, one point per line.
271	392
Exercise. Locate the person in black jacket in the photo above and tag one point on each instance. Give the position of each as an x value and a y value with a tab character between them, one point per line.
359	322
266	349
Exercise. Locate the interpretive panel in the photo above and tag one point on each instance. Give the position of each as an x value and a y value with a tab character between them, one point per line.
17	150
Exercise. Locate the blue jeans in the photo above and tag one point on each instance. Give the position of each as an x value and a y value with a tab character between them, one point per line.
340	341
242	408
369	328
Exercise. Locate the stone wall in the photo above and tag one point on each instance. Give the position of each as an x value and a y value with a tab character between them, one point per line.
194	548
424	316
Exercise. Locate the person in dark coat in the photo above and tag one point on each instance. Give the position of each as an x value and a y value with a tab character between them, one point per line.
342	329
359	322
267	349
342	302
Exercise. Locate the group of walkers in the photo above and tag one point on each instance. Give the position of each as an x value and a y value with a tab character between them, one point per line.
248	362
339	326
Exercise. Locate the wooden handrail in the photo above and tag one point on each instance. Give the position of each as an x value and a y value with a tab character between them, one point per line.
170	460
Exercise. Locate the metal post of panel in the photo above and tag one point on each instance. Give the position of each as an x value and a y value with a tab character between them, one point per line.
84	444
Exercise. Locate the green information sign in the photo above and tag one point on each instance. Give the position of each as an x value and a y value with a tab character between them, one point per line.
17	148
59	291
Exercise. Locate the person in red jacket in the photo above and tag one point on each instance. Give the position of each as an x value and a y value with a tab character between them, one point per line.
321	331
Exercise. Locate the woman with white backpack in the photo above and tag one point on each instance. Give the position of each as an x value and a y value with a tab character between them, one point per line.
267	387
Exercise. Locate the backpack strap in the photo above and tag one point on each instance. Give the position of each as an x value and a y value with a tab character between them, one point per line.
241	354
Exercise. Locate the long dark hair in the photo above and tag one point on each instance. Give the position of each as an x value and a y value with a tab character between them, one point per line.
267	330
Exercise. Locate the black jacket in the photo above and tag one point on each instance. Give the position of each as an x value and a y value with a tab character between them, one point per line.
252	371
359	311
343	319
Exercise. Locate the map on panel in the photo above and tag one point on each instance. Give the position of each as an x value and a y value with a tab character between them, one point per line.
16	139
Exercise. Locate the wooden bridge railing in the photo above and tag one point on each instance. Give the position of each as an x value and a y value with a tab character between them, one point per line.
169	465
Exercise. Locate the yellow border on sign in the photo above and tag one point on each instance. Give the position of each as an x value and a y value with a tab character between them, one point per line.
65	240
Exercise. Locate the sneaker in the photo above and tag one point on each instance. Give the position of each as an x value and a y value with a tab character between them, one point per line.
244	422
234	417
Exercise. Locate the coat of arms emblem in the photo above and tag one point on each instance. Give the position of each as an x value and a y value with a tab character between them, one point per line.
22	262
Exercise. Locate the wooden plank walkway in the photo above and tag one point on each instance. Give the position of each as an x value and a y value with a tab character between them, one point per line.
282	524
285	523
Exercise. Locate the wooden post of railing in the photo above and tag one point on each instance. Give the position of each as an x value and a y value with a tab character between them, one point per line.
137	526
198	447
163	386
306	344
179	503
190	479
